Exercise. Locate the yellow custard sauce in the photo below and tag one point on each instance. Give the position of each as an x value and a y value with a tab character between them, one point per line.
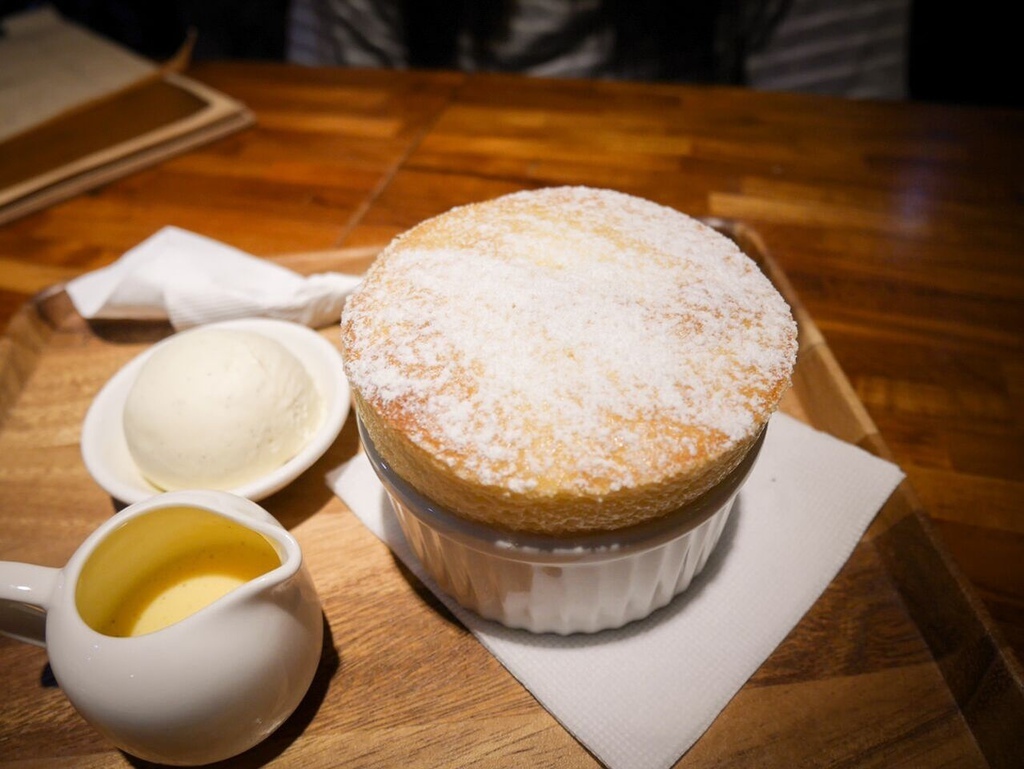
162	567
179	589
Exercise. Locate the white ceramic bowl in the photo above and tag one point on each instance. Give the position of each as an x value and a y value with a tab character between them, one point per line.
547	584
105	449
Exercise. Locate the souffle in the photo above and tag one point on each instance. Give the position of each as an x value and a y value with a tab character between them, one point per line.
566	360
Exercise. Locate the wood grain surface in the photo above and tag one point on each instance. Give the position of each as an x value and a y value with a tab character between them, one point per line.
898	227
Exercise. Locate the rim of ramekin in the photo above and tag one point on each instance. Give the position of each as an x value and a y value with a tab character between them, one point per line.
513	544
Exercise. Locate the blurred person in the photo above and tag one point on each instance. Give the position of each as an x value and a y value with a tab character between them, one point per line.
634	39
845	48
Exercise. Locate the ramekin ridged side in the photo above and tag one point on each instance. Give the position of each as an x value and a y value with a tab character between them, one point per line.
564	586
574	597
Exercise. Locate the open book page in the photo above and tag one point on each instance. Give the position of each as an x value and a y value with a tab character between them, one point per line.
49	65
77	111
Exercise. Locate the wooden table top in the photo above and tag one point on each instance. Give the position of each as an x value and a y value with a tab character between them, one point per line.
899	226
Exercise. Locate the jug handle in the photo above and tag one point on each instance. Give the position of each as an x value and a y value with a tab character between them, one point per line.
25	594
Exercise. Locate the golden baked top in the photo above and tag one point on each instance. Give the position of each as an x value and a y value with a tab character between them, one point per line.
566	359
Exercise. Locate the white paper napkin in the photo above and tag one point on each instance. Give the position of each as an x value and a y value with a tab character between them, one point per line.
642	695
191	280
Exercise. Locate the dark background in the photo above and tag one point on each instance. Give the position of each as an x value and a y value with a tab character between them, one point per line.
958	53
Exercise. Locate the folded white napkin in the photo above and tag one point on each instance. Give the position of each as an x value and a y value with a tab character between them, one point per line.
191	280
642	695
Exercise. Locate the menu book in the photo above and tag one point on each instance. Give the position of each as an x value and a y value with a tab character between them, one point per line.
77	111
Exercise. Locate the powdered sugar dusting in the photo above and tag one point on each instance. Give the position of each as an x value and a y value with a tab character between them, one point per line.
629	341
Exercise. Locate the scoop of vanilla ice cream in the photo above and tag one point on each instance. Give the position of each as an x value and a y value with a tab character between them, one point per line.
218	408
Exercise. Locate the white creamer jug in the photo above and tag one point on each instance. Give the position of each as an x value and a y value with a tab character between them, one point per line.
185	629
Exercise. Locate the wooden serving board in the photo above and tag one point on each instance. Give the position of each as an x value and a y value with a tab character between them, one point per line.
895	664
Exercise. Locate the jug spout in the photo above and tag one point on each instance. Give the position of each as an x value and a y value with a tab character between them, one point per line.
25	592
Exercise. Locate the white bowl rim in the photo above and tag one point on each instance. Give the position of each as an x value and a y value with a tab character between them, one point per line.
104	448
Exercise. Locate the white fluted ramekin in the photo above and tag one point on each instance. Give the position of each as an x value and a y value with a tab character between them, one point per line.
545	584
